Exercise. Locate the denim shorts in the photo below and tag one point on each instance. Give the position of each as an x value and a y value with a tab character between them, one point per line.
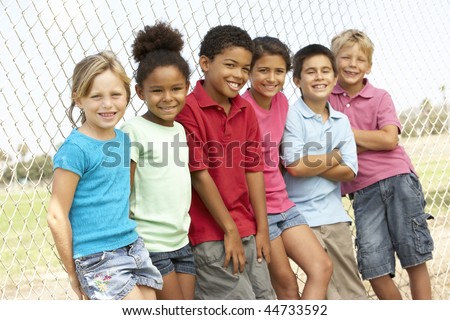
180	261
111	275
279	222
389	219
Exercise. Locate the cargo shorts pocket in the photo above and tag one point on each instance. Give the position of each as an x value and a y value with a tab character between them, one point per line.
423	240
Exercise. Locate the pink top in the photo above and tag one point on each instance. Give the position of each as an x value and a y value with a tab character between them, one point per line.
228	146
371	109
271	125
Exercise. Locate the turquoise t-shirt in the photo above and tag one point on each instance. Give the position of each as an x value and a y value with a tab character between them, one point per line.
161	193
99	215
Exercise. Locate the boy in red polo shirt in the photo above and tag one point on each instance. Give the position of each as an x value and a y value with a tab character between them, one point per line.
229	229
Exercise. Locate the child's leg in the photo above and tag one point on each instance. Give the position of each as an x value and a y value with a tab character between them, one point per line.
385	288
409	231
305	250
148	292
282	277
419	281
376	257
178	270
345	282
187	283
141	293
171	289
177	286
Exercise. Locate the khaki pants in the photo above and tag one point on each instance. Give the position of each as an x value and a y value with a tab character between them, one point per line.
345	283
216	283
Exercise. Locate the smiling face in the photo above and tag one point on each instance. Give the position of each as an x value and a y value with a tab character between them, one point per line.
317	80
103	106
226	74
164	92
267	77
352	64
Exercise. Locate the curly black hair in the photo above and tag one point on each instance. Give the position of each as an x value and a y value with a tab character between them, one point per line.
220	38
156	46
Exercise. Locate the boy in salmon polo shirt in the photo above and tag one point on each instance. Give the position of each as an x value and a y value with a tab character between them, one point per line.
387	196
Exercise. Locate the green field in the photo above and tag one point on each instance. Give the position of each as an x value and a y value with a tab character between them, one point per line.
26	244
430	156
434	176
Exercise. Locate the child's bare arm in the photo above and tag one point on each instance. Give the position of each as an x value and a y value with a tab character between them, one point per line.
210	195
63	190
340	173
133	166
314	165
384	139
256	189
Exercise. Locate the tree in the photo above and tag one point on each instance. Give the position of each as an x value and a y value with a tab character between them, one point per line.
23	166
6	175
41	168
37	169
3	155
5	170
445	106
444	97
23	150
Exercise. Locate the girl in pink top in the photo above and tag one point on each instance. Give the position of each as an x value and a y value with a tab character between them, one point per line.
290	235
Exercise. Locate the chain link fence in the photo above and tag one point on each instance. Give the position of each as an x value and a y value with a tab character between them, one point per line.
42	41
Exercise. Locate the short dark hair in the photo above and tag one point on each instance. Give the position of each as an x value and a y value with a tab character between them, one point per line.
220	38
310	51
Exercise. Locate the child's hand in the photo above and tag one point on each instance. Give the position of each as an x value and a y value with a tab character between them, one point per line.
263	246
76	287
234	250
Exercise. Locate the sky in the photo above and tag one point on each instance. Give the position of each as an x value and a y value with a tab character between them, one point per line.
42	41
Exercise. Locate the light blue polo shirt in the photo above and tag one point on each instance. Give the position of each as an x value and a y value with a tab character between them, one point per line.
317	198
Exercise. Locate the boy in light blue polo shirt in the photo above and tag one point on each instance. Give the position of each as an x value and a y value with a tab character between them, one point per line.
319	152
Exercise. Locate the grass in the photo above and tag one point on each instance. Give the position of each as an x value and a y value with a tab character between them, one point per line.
22	208
434	177
26	244
430	155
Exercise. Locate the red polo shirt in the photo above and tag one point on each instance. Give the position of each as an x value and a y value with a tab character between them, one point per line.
227	146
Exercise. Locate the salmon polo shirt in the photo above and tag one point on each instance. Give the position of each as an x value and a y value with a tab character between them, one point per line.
227	146
371	109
